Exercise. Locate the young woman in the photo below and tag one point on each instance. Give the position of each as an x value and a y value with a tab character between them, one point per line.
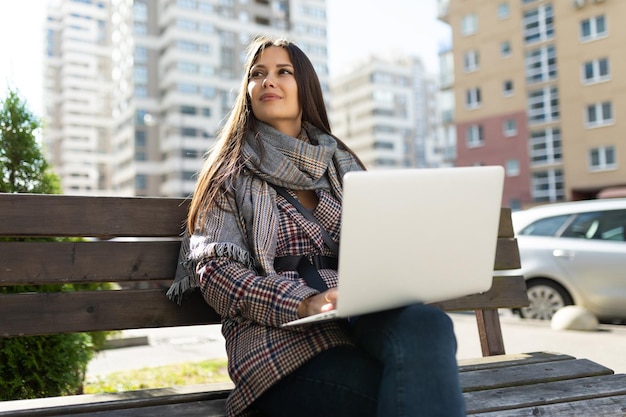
395	363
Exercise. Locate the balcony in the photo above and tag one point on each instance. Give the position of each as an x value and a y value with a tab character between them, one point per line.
442	10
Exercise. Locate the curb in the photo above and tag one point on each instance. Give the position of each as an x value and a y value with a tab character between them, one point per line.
125	342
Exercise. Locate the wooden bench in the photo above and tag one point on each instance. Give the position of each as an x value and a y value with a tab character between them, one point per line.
495	385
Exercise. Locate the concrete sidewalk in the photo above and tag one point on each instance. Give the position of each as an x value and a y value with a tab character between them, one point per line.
197	343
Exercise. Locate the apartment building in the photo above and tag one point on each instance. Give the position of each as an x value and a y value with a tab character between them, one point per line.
173	68
78	97
539	88
385	110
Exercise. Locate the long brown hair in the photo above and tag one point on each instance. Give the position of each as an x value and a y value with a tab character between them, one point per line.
225	159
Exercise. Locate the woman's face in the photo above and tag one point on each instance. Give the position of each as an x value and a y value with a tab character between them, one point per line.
273	91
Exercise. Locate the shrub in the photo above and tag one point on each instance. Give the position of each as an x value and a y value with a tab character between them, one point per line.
43	366
36	366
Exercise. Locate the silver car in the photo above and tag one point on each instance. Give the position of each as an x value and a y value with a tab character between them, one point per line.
574	253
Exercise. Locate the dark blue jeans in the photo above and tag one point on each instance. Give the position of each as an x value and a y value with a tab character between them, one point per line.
404	366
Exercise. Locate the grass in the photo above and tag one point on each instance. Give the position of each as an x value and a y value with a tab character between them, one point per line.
189	373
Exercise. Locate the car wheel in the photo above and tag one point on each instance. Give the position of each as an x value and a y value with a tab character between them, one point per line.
546	298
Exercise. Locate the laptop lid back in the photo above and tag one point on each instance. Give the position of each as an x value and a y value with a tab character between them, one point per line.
417	235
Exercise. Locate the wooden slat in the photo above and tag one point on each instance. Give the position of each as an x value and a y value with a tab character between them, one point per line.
50	313
614	406
530	396
511	359
529	374
36	215
64	215
507	255
153	402
43	262
505	292
505	229
24	263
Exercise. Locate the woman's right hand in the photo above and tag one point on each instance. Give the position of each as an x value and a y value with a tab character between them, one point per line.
318	303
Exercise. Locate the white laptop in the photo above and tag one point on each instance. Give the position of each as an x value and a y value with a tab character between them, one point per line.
415	235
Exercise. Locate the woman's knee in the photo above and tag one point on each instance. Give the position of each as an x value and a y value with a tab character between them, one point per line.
419	325
423	318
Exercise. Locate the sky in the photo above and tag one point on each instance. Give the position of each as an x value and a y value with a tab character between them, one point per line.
357	29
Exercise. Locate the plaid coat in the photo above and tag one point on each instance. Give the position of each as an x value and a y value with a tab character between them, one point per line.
231	259
253	307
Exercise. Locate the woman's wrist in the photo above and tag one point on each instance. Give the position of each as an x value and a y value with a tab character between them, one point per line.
303	307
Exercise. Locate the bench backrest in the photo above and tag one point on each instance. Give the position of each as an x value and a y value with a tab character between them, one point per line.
134	242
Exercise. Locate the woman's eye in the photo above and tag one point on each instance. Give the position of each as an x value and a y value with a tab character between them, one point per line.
255	74
285	71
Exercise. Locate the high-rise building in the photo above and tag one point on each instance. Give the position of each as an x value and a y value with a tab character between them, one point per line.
79	93
539	88
158	78
385	110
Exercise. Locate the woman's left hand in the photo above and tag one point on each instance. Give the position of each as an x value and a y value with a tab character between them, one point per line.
318	303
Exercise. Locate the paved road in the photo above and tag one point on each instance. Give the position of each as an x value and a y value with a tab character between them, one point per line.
195	343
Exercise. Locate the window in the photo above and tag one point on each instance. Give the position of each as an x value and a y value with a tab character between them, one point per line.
187	88
140	138
472	98
545	227
600	225
538	24
507	88
186	4
471	61
509	127
602	158
474	136
186	24
545	146
140	74
188	67
512	168
541	64
543	105
547	186
189	132
140	28
141	55
383	97
383	145
596	70
593	28
191	110
505	49
503	10
599	114
469	24
140	91
141	182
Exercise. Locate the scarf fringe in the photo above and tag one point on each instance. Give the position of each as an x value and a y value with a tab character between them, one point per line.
179	289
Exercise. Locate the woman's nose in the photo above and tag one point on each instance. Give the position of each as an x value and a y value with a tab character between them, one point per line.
268	81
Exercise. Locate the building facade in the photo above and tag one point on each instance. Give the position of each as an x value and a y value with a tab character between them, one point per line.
385	110
78	86
539	88
167	72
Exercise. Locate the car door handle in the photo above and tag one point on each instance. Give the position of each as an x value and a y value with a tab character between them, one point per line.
565	254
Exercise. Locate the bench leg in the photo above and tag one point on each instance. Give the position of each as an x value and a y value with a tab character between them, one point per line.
490	332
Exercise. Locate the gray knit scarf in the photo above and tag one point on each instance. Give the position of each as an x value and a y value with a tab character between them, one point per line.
270	157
